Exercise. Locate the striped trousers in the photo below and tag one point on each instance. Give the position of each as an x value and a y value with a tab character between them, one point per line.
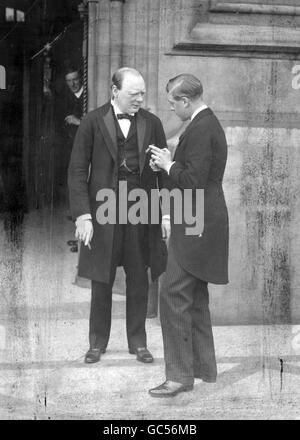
186	326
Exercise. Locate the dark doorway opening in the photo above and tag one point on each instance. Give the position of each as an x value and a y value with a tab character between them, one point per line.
31	134
55	42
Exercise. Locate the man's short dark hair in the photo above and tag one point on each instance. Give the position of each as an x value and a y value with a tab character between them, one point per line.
186	85
118	76
71	68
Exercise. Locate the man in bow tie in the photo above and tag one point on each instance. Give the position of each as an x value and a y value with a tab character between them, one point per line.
193	260
111	147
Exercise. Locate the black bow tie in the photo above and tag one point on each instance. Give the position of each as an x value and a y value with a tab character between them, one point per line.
125	116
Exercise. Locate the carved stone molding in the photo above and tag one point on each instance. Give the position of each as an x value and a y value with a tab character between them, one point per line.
248	8
233	29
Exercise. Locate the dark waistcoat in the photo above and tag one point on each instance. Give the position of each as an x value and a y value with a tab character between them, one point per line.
128	151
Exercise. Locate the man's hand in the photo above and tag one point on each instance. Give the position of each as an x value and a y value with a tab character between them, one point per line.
72	120
84	231
153	167
166	228
161	158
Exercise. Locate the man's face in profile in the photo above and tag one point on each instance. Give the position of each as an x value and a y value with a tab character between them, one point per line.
178	106
73	81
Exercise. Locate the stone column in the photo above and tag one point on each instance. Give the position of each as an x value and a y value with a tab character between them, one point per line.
92	44
141	43
123	33
105	47
116	34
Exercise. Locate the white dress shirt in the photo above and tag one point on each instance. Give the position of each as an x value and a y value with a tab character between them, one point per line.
124	123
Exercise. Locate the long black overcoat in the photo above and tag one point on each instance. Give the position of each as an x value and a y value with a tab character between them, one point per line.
94	166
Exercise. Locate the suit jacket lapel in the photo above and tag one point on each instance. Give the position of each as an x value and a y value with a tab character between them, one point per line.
141	126
190	125
182	136
108	128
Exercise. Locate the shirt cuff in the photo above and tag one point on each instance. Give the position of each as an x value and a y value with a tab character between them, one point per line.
169	167
83	217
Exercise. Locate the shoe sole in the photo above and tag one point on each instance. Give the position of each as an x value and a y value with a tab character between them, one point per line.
145	361
140	360
91	362
171	394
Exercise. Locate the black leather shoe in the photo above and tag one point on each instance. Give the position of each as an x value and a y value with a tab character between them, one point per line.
93	355
142	354
169	389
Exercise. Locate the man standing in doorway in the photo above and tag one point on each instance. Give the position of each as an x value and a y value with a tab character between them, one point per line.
74	101
70	110
112	142
193	261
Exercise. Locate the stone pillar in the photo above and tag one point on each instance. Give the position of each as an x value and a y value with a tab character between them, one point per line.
92	45
123	33
141	33
105	47
116	35
99	53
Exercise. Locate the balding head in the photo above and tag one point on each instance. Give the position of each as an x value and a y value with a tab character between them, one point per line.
128	89
119	76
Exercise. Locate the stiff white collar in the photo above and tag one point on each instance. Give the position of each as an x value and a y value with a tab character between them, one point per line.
79	93
203	107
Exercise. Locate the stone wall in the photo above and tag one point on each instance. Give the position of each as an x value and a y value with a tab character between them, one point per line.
244	52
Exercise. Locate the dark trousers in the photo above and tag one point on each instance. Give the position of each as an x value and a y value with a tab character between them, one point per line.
186	326
128	250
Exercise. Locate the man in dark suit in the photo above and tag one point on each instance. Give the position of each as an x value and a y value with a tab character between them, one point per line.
69	115
111	147
193	260
74	101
